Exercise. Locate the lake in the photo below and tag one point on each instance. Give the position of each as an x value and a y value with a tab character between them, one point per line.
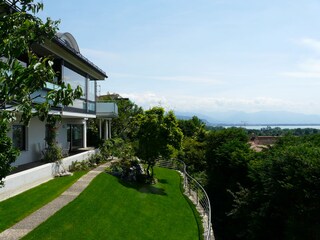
282	126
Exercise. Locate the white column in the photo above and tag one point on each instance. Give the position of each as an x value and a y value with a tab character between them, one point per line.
110	128
85	133
107	130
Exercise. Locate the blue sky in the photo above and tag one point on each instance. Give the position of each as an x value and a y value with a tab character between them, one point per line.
202	56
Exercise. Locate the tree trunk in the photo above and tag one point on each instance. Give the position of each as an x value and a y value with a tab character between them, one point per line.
152	171
148	167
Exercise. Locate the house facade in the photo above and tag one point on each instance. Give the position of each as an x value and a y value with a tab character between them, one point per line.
72	68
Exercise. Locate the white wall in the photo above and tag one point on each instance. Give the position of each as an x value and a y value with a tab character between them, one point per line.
22	181
62	135
35	135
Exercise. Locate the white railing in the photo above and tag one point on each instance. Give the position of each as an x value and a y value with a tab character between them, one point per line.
195	192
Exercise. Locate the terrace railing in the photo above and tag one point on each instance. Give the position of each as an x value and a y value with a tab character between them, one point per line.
195	192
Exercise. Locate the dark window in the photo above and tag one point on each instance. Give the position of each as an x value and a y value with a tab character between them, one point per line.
75	135
19	136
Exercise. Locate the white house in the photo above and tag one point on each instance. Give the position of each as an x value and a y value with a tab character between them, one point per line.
73	68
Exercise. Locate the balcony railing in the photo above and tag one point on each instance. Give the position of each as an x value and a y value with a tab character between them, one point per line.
106	109
51	86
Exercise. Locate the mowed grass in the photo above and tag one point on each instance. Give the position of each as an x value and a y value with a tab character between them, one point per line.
111	209
16	208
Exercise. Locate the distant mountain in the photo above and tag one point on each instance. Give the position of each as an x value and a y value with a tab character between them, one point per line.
263	117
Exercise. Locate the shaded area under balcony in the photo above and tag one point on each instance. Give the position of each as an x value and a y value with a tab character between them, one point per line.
105	112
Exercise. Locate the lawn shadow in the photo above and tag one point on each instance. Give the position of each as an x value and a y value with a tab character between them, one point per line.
143	188
163	181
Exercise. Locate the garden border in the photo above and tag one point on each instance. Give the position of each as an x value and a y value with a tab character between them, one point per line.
25	180
195	192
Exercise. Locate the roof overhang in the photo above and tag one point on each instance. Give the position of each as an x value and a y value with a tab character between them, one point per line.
60	50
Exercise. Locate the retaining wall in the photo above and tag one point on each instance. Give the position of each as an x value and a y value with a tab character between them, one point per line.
25	180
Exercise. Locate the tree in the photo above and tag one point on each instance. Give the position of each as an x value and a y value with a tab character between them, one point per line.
22	72
158	136
282	200
193	127
193	155
227	157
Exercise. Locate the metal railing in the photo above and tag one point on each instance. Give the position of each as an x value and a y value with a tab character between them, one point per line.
195	192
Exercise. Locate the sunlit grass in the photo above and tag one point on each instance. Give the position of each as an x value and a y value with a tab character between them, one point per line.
16	208
111	209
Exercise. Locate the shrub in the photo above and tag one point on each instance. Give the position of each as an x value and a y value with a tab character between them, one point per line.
116	147
79	166
128	170
96	159
53	153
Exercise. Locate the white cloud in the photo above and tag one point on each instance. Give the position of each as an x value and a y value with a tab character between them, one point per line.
302	74
186	79
147	100
311	43
311	65
307	69
200	104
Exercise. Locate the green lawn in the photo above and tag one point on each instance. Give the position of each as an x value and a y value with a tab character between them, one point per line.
110	209
16	208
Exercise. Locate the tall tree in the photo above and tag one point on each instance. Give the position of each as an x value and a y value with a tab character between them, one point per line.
20	30
158	135
193	127
227	156
282	200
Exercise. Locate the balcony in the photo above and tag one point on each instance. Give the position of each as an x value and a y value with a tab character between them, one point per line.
106	110
39	95
51	86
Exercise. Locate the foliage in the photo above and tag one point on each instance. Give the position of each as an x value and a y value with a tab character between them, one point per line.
20	31
53	153
106	149
277	131
158	135
128	170
80	166
109	207
7	153
96	159
283	195
193	154
227	157
193	127
116	147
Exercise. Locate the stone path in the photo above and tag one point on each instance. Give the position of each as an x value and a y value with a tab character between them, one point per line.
29	223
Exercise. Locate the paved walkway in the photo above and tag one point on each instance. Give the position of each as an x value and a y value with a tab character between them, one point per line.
26	225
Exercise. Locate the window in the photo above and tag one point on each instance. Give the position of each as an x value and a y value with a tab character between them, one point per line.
75	79
92	91
75	135
19	137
